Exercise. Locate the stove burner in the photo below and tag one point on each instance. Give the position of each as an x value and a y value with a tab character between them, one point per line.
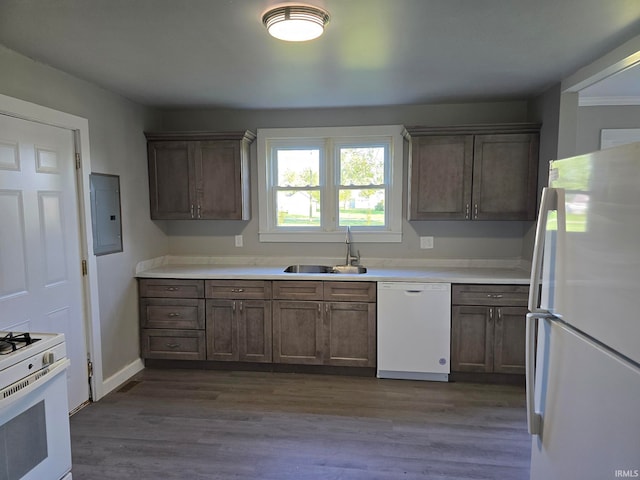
12	342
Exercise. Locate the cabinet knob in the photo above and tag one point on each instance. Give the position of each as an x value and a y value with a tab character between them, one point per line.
237	290
172	345
494	295
191	210
466	212
475	211
172	289
173	315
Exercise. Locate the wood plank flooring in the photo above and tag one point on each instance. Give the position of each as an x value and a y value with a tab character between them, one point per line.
214	425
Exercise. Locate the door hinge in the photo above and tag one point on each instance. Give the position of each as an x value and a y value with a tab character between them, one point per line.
90	368
77	161
84	268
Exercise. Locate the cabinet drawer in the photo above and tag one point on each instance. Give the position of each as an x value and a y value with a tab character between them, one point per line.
350	291
502	295
176	313
297	290
173	344
238	289
170	288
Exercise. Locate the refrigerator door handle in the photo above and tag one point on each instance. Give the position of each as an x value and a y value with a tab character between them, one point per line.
548	202
534	419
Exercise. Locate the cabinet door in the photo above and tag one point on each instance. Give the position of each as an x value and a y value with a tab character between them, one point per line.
509	356
172	190
220	187
472	339
350	329
222	330
440	177
254	331
297	332
505	170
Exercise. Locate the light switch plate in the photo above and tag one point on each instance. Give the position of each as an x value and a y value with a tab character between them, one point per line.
238	240
426	242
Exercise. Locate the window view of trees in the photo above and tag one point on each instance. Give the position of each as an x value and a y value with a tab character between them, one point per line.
360	187
361	193
298	189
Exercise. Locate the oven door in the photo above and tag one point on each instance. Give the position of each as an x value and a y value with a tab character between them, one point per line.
34	427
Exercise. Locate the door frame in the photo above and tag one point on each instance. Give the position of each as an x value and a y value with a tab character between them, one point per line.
79	126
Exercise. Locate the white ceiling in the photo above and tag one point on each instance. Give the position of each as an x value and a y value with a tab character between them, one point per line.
216	53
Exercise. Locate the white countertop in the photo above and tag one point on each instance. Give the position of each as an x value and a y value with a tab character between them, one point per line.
491	272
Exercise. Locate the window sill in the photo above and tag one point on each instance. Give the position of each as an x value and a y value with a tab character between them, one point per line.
331	237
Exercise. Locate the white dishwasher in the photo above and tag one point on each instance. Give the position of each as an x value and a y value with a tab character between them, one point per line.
414	330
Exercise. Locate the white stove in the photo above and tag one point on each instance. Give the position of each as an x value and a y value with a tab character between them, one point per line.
22	354
33	401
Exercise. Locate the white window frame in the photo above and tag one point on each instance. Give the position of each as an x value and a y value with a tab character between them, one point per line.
332	138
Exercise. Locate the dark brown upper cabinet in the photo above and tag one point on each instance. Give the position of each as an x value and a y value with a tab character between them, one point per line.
199	175
473	173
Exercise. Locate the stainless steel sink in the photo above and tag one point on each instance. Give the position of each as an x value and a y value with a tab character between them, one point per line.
308	269
349	269
357	269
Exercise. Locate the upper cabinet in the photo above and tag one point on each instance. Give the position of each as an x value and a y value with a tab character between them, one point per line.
473	173
199	175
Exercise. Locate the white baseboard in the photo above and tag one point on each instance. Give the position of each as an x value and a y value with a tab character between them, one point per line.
117	379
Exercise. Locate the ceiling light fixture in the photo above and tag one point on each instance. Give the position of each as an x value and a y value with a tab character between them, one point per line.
295	23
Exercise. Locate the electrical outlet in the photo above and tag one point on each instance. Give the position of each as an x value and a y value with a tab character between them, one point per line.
238	240
426	242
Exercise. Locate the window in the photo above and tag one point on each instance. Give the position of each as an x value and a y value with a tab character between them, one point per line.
314	182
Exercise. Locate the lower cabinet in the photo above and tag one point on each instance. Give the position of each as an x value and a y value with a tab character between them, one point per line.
306	323
488	328
172	319
239	330
309	328
298	332
238	320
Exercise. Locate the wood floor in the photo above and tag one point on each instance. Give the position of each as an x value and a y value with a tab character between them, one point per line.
192	424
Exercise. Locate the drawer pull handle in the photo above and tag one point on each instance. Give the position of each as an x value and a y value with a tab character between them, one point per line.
237	290
172	289
494	295
173	315
172	345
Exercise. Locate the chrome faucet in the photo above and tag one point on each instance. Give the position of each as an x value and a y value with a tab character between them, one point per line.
350	258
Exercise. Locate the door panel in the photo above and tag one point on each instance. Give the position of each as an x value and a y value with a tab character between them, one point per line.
41	286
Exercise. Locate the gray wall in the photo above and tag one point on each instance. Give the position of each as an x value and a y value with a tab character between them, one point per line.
118	147
593	119
457	239
544	109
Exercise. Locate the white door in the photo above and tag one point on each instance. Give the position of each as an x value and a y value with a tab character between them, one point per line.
41	286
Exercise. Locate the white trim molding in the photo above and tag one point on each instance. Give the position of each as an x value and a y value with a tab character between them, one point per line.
607	101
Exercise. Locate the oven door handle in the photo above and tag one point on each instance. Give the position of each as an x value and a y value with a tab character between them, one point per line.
20	389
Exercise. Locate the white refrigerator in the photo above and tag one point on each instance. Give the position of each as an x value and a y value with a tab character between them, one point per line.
583	366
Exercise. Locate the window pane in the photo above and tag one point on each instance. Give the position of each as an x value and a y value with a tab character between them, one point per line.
298	208
361	207
362	165
298	168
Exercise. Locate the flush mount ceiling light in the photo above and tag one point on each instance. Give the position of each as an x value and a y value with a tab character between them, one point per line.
295	23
